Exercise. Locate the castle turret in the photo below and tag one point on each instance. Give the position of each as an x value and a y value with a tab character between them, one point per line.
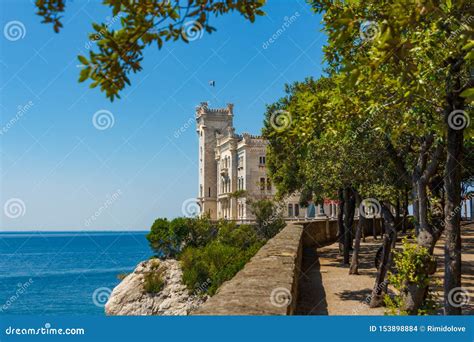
210	123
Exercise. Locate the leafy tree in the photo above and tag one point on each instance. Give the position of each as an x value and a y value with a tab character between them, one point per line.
143	23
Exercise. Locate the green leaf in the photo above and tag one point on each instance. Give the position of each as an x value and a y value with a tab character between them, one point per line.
83	60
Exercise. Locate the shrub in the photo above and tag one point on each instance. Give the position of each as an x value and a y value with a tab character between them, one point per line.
242	236
268	220
412	266
160	238
154	282
214	264
201	232
167	238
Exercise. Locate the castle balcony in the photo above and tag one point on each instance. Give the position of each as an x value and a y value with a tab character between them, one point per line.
224	171
224	195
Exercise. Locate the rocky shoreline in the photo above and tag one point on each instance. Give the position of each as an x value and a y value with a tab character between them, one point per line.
130	299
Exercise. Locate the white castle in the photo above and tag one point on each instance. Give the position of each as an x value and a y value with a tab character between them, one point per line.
229	162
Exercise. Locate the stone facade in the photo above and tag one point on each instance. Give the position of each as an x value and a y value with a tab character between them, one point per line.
230	162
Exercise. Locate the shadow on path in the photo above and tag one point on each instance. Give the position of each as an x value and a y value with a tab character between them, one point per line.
311	294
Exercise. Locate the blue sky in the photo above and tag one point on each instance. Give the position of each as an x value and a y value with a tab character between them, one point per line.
63	173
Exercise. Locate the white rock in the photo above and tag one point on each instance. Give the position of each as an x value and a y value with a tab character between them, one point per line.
129	297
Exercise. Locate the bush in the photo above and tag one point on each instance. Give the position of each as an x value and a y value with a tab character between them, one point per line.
209	254
268	220
201	231
214	264
412	266
167	238
154	282
242	236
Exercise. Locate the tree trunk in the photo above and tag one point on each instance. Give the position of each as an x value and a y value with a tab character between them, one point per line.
347	224
340	221
452	184
380	288
354	269
405	211
374	228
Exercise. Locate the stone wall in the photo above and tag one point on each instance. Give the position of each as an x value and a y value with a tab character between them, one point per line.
324	232
268	284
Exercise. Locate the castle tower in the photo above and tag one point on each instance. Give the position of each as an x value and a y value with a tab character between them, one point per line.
210	123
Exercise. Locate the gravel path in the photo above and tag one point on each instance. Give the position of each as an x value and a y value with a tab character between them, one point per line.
326	288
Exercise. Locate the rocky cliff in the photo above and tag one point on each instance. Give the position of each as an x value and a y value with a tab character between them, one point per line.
130	297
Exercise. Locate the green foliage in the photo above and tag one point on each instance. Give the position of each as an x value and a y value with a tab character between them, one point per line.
168	238
142	23
153	281
214	264
209	253
412	265
242	236
268	220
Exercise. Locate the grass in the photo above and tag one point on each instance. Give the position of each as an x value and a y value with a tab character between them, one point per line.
154	282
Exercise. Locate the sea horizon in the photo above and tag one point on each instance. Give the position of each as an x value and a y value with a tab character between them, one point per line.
65	272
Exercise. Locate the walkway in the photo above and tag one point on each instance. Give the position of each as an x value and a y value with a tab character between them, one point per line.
326	288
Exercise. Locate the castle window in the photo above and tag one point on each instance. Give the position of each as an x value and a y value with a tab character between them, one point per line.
290	209
262	160
209	192
262	183
297	210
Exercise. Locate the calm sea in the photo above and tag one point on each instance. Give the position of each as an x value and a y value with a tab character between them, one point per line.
65	272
